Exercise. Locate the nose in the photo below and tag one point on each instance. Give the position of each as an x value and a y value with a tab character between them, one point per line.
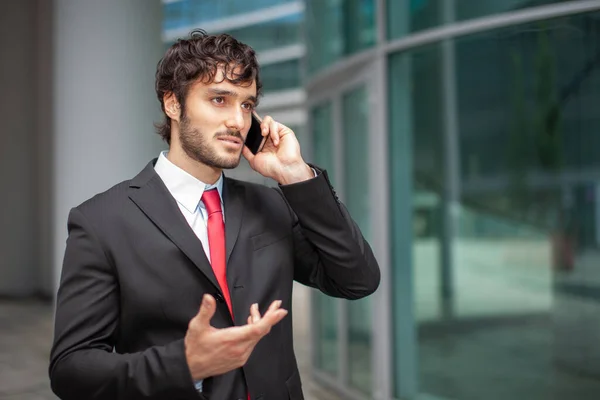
236	121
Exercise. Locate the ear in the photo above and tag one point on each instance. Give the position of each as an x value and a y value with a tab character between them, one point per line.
172	107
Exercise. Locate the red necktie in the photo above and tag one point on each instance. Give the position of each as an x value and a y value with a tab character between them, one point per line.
216	240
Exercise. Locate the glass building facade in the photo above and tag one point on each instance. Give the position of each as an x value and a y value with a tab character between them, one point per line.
462	137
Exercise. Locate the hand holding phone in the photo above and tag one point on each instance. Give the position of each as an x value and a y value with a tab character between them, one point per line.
254	139
277	154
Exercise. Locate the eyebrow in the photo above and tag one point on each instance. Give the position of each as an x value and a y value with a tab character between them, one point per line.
230	93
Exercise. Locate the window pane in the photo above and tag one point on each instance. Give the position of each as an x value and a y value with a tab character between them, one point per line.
280	76
193	12
425	14
323	139
356	157
337	28
356	168
300	131
277	33
324	307
325	310
523	316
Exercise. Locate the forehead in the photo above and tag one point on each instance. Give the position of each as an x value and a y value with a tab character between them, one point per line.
243	89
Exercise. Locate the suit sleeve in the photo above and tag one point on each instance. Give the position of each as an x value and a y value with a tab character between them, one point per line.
82	362
330	251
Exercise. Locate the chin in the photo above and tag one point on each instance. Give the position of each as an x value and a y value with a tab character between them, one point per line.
231	165
229	162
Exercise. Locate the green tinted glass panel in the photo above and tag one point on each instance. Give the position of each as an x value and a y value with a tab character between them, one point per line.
280	76
406	16
325	307
325	311
273	34
184	13
356	182
337	28
322	138
523	315
400	155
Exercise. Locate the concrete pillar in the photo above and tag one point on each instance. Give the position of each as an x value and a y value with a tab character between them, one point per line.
19	237
44	126
104	101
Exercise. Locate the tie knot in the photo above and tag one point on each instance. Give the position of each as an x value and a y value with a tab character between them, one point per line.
212	201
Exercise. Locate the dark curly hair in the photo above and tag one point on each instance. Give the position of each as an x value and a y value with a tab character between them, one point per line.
199	57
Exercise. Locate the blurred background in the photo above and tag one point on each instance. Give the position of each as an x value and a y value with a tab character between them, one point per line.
461	134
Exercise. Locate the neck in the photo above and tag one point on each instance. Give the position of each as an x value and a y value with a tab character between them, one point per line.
198	170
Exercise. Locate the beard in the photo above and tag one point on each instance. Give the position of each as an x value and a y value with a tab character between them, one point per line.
198	147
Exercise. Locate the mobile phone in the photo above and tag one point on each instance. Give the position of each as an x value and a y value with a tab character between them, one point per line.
255	140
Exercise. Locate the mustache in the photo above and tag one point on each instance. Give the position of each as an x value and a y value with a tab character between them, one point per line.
236	134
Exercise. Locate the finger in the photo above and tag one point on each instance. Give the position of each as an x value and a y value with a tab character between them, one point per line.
274	316
249	320
274	132
274	306
207	310
254	331
254	313
268	321
265	125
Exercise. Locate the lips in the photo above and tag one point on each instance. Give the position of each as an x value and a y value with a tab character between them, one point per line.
231	140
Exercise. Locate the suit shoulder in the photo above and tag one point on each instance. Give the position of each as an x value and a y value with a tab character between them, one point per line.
110	198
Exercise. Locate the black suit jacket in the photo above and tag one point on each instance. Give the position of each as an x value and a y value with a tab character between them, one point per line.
134	274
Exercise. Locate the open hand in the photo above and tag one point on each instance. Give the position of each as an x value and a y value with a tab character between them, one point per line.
210	351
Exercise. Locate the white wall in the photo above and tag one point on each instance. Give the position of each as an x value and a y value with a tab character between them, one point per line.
104	101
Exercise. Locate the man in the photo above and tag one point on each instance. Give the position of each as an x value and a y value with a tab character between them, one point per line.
176	284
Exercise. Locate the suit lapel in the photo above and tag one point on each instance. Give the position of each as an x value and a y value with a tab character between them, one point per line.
234	209
233	202
151	195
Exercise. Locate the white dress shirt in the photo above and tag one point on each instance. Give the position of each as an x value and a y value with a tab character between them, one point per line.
188	191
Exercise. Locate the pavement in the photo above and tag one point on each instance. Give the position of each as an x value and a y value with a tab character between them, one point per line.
26	337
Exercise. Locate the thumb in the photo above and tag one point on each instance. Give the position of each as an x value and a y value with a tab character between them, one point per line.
207	310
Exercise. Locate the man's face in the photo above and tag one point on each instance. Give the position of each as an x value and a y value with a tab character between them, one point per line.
216	121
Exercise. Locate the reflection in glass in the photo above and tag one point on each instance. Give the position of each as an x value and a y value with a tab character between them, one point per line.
525	316
276	33
183	13
323	139
338	28
427	14
324	307
356	183
281	76
466	9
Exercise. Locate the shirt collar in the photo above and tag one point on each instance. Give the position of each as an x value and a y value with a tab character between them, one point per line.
186	189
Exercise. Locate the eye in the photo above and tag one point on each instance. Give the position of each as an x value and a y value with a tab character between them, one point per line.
218	100
248	106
